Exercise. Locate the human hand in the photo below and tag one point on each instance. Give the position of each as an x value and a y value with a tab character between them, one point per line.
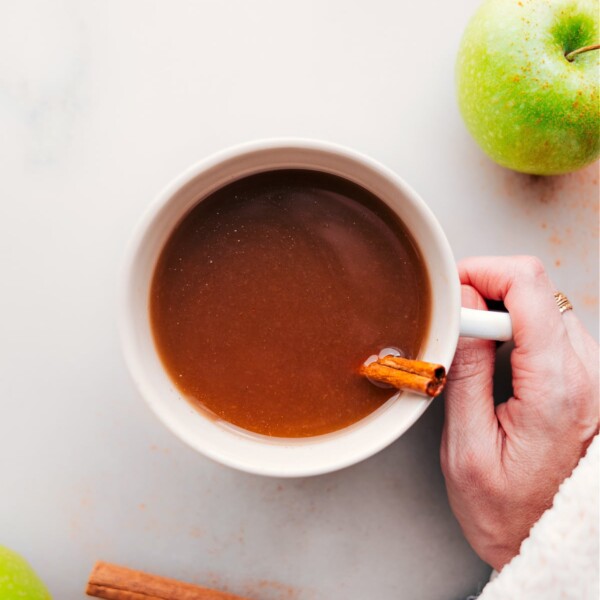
504	464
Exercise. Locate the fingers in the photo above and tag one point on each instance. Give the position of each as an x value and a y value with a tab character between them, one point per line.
528	294
469	391
553	394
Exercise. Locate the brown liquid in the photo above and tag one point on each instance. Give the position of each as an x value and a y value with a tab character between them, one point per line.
273	290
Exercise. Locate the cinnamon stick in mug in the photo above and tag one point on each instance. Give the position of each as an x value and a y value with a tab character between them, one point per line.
406	374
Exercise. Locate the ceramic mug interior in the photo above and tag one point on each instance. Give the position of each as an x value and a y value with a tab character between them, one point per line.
217	439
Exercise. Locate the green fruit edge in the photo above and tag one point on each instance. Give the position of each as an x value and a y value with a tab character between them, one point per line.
18	581
527	107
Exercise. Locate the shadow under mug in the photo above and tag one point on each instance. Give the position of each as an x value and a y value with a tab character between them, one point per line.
256	453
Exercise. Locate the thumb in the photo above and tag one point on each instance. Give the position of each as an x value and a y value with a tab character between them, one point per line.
470	416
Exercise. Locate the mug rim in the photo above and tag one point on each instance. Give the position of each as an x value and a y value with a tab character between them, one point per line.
127	331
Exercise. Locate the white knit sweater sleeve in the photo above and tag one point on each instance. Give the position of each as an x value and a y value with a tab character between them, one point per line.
559	559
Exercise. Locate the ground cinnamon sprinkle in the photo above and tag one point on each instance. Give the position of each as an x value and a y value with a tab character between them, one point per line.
563	209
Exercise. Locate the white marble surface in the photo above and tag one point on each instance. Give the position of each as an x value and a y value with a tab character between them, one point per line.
101	103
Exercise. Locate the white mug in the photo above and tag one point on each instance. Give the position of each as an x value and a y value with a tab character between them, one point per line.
256	453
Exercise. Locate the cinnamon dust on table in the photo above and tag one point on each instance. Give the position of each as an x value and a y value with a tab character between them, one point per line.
562	211
567	204
266	588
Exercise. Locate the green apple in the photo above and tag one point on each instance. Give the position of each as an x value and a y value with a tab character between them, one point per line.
18	580
528	83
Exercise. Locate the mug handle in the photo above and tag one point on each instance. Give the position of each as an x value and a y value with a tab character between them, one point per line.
485	325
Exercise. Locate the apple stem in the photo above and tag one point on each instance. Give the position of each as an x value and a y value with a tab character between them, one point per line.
571	55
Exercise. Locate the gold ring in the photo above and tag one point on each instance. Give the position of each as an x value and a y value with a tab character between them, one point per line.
562	302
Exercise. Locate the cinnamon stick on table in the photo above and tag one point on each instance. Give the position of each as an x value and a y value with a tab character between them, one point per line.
406	374
113	582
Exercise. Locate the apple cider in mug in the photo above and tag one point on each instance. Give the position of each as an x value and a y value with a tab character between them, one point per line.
270	293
